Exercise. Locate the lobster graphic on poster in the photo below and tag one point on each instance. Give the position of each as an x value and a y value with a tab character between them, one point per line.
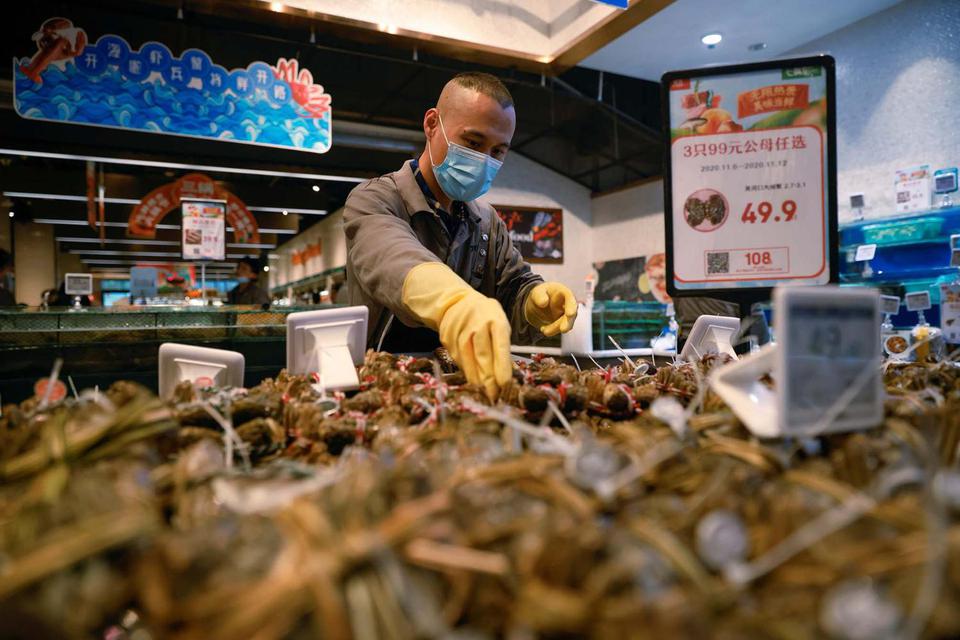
536	232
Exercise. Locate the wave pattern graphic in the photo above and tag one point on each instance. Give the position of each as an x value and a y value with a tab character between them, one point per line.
112	100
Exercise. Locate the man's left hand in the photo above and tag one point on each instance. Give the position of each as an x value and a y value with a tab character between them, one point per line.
551	307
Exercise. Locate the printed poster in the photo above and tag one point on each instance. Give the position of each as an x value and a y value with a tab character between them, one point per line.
913	189
536	232
749	164
640	279
203	229
950	312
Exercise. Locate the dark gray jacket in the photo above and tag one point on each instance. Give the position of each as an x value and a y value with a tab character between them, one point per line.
390	229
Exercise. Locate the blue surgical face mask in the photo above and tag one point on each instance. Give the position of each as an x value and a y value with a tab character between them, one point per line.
465	174
243	279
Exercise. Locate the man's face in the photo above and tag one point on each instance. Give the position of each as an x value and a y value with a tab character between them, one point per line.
473	120
244	271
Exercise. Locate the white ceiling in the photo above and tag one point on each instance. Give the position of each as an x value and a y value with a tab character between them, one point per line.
670	40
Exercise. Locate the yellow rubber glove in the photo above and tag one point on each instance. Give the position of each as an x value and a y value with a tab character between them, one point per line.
472	327
551	307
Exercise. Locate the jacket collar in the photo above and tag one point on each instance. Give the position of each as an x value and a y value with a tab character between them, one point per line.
413	198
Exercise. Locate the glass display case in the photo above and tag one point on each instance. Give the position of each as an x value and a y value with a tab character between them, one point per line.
99	346
912	254
631	324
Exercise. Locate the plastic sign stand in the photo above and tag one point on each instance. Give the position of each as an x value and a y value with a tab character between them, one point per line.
580	338
710	334
826	365
329	342
201	365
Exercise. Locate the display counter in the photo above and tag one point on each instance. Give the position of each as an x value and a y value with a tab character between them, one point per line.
98	346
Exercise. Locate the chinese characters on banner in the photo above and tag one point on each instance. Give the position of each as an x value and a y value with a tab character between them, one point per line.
749	177
203	230
111	83
535	231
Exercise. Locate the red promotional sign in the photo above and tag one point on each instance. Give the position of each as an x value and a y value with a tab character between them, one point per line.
162	200
777	97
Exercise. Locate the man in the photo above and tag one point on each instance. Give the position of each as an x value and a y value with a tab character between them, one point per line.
435	266
6	280
248	291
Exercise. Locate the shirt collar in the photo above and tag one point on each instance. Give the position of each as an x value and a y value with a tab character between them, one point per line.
418	197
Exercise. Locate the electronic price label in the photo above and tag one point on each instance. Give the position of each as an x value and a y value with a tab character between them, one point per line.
918	301
826	366
890	305
78	284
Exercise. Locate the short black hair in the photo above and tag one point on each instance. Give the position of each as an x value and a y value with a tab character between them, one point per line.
253	263
6	259
485	84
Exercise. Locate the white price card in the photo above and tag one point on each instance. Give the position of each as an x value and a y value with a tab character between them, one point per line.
748	185
950	312
865	252
918	301
913	192
955	258
203	229
828	364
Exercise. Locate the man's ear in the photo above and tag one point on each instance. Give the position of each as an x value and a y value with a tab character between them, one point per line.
430	122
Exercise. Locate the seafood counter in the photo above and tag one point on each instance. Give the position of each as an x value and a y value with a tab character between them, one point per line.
599	503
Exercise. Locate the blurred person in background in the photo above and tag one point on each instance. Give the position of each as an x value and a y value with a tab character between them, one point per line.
248	291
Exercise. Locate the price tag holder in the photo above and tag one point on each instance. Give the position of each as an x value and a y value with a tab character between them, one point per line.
955	258
890	305
950	312
826	365
918	301
865	252
78	284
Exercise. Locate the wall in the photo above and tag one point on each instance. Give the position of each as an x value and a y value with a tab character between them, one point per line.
523	182
34	261
628	223
898	84
333	253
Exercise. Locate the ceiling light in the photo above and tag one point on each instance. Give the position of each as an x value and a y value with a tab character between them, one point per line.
711	39
266	267
284	212
316	187
276	6
11	213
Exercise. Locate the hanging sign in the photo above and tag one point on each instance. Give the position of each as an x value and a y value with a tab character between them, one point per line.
535	231
202	229
749	188
111	84
158	203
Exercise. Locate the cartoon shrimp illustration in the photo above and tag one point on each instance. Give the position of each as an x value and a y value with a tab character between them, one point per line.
56	40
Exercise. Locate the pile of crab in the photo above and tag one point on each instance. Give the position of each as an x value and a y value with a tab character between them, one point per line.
590	503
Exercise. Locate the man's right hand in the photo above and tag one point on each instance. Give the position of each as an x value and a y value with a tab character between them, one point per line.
472	327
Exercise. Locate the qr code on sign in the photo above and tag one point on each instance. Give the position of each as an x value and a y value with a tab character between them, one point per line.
718	262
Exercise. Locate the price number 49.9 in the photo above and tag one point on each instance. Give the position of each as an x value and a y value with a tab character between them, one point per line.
788	211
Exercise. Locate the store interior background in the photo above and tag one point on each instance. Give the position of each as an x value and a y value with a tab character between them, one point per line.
898	81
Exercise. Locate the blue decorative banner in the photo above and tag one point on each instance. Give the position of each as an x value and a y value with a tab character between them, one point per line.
109	84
